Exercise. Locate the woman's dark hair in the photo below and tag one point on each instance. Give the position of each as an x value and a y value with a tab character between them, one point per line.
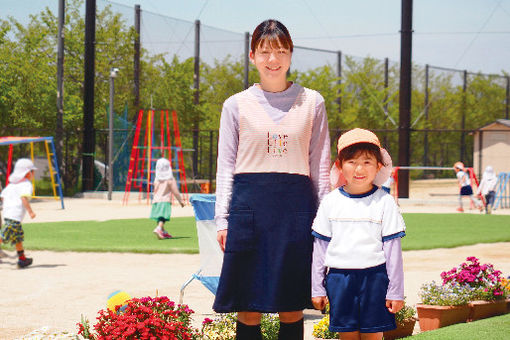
354	150
274	32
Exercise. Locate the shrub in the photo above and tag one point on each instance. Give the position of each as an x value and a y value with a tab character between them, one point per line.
144	318
483	278
321	329
223	327
406	313
444	295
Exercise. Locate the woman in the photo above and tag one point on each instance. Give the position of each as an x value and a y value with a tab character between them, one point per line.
273	167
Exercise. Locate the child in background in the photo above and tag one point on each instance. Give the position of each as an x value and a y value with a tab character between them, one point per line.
386	186
357	254
164	186
15	203
487	188
465	186
2	253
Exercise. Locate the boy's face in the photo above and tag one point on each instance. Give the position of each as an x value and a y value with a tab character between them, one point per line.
360	172
30	175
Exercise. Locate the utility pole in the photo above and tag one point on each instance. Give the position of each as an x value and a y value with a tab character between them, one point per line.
89	135
113	75
59	131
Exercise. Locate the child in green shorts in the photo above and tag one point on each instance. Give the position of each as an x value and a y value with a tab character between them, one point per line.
164	187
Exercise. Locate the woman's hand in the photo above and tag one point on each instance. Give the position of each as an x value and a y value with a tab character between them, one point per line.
221	236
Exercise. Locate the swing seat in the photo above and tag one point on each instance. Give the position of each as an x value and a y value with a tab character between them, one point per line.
211	256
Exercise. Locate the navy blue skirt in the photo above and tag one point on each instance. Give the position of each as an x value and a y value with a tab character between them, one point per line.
268	254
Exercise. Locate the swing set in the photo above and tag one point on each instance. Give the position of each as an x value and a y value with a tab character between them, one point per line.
49	146
146	150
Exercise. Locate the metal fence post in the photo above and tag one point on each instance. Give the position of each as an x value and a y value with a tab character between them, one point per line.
404	135
246	60
425	135
463	119
196	101
136	61
339	82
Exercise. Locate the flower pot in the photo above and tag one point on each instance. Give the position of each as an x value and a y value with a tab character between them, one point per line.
486	309
403	329
508	305
433	316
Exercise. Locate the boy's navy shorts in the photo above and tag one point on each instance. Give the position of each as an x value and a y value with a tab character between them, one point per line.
466	190
357	299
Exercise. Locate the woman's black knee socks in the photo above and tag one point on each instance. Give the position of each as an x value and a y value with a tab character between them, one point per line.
247	332
291	331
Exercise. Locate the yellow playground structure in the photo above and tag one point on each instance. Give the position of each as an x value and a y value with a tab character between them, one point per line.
49	146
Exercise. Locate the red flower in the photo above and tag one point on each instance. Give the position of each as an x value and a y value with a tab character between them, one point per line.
146	318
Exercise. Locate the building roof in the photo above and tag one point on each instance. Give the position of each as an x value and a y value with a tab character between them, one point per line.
504	122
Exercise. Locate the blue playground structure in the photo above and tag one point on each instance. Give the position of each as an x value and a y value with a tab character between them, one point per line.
502	199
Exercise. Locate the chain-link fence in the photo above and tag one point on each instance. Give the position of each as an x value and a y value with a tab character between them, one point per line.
447	104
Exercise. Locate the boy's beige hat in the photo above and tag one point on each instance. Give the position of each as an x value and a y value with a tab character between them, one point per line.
22	167
356	136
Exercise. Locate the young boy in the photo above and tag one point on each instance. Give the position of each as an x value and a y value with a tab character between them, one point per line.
15	203
357	256
465	188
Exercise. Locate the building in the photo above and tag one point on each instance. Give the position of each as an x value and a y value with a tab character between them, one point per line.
492	147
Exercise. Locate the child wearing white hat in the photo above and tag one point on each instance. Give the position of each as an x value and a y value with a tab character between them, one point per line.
15	204
164	186
487	188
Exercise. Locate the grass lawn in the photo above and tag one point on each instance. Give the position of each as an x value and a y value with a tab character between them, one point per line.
424	231
495	328
130	236
430	231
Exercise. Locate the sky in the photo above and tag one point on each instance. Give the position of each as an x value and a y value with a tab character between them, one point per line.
459	34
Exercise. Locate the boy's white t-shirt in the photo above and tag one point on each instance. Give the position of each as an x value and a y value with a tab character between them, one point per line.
12	206
356	226
465	181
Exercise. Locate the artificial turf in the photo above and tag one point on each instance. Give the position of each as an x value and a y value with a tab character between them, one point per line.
495	328
131	236
424	231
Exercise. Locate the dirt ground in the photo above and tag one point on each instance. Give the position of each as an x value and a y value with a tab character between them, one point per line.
60	287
